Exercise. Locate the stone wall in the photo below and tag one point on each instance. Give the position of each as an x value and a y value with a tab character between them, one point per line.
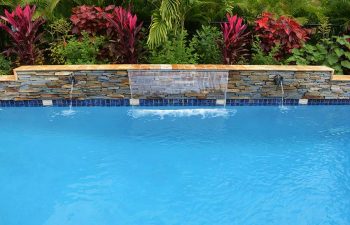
102	82
297	85
56	85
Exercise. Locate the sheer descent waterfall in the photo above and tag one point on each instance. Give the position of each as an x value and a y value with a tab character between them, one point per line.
178	84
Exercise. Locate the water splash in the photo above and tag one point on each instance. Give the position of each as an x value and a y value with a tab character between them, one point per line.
70	111
162	113
282	107
64	113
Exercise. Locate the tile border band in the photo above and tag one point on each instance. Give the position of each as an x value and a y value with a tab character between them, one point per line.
169	102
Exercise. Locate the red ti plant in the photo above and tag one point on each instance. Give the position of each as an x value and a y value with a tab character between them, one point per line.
126	31
235	39
283	31
25	34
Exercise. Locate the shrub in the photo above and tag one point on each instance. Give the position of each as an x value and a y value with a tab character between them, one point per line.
284	31
259	57
334	52
235	40
25	34
206	43
83	51
5	66
127	33
59	31
174	51
90	19
117	24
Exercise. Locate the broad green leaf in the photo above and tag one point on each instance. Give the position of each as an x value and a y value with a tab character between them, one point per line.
332	59
347	54
339	52
346	64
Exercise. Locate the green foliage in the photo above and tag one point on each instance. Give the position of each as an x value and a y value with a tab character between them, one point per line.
206	44
338	12
174	51
83	51
5	66
334	52
59	31
302	10
170	16
259	57
325	29
45	8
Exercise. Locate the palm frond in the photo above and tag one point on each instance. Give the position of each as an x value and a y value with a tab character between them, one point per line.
158	31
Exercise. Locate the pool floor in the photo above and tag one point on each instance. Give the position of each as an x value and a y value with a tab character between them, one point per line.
155	166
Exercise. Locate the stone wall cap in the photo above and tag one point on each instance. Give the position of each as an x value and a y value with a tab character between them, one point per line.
341	78
175	67
8	78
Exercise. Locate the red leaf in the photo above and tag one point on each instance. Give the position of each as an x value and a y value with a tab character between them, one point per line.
24	32
235	39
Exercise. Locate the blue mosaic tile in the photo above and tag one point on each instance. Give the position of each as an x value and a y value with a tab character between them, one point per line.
24	103
261	102
170	102
177	102
91	102
329	102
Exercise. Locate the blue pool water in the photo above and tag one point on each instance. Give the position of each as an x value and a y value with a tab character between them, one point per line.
244	165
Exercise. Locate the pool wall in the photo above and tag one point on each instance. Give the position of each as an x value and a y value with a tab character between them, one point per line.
111	82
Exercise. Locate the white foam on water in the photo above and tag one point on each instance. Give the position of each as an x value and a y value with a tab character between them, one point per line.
161	113
284	109
68	112
65	113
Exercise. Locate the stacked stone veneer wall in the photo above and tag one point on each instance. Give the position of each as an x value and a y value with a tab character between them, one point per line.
297	85
114	84
56	85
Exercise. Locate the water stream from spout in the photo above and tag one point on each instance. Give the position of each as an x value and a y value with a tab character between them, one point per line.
70	111
282	108
282	95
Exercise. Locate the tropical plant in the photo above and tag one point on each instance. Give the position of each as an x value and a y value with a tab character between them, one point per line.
175	50
59	31
90	19
127	32
83	51
334	52
304	11
283	31
324	29
25	34
236	40
260	57
338	13
206	43
5	65
170	16
44	8
53	9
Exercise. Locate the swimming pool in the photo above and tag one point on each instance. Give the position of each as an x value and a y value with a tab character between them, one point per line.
133	166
